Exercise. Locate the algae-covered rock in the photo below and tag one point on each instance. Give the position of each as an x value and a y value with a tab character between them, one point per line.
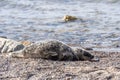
8	45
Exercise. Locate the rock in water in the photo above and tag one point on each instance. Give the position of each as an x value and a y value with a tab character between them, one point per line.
8	45
54	50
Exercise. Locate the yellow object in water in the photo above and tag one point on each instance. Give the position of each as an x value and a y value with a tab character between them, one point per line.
69	18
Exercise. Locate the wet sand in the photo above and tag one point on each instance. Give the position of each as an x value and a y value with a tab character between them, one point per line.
108	68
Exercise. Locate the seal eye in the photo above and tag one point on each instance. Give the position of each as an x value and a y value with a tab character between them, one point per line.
87	54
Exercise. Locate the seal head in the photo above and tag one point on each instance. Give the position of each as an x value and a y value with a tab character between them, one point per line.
82	54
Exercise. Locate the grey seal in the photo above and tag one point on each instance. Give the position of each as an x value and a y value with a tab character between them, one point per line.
53	50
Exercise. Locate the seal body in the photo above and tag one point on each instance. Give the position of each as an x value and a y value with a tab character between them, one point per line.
54	50
48	49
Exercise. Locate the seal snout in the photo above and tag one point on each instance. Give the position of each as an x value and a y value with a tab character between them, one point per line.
90	57
95	59
87	54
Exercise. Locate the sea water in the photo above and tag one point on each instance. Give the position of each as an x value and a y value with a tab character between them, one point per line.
34	20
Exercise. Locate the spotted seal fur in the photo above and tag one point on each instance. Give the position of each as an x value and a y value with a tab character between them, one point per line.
53	50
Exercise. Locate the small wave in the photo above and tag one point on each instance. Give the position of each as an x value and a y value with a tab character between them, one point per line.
104	1
107	49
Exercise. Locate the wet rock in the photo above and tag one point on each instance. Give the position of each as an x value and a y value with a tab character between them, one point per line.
8	45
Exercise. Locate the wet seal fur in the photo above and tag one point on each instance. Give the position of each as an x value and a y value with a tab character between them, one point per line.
53	50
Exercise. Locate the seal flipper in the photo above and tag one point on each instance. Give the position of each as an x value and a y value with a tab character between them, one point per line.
53	55
66	56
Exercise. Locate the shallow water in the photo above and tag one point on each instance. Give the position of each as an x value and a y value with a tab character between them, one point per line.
42	19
